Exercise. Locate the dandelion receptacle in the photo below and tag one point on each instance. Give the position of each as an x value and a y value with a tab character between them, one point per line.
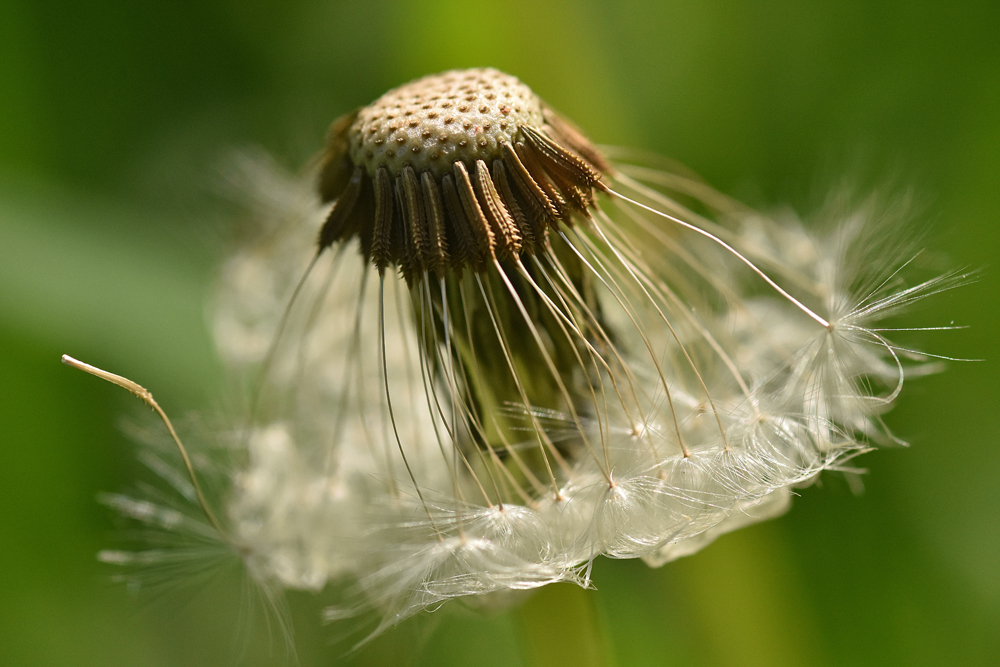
489	353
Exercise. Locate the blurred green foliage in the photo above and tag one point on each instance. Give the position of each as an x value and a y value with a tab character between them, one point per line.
116	114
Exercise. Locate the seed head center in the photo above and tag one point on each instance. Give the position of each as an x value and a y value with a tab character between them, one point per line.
433	122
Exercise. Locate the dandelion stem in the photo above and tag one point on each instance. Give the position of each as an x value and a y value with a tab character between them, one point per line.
147	397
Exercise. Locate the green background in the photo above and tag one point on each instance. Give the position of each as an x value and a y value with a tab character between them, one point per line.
116	114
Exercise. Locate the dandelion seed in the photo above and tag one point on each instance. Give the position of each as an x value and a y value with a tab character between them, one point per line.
510	355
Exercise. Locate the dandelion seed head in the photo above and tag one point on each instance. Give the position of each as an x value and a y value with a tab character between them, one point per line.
507	356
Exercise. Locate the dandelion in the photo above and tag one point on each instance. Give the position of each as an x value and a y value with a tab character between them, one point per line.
489	354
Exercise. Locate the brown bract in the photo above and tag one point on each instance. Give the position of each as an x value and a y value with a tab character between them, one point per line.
454	171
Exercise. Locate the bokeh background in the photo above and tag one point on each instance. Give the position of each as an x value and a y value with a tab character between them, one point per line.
116	114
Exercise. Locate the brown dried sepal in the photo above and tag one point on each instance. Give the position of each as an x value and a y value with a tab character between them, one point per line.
496	209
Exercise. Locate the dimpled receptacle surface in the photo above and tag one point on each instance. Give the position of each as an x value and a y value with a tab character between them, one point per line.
435	121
